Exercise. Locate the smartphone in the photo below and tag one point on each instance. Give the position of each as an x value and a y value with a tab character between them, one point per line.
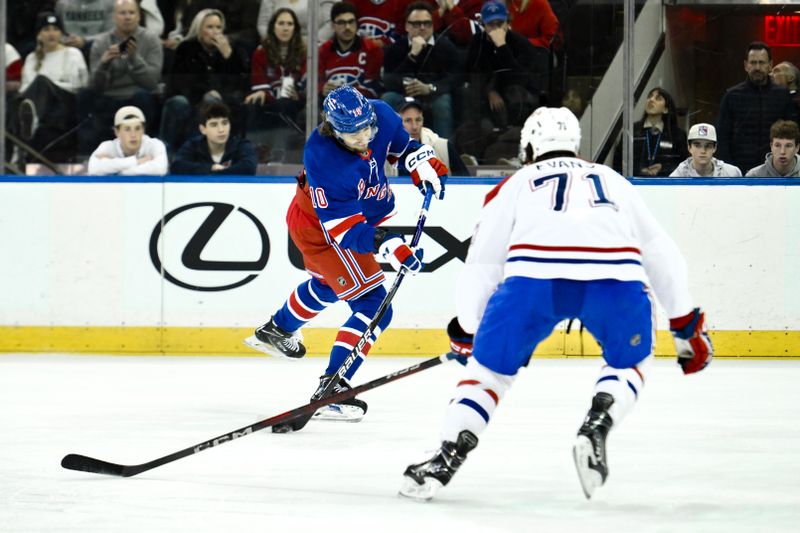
123	46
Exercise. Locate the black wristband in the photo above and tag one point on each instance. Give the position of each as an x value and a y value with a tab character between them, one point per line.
380	235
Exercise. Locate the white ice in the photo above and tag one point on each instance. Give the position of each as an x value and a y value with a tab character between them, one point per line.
716	451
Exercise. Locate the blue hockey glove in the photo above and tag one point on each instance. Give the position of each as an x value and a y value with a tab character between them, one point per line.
460	342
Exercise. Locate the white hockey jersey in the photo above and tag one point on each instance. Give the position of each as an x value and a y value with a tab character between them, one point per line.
569	219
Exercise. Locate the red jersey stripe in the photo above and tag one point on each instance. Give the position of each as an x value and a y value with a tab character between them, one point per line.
346	224
574	248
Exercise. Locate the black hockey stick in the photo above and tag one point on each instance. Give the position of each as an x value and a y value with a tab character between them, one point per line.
96	466
299	423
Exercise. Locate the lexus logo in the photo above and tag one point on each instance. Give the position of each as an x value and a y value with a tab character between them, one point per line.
193	271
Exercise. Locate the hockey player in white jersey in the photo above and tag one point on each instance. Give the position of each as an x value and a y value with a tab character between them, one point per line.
562	238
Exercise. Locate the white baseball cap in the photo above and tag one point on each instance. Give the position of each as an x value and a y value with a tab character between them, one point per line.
702	131
128	114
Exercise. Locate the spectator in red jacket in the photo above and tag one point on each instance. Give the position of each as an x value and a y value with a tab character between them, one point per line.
278	83
349	59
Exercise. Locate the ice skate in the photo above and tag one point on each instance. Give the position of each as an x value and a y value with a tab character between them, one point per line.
422	481
272	340
352	410
589	450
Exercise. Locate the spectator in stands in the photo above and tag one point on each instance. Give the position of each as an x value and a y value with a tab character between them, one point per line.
424	67
151	16
13	76
535	20
349	59
458	20
215	151
240	16
208	67
414	123
300	8
132	153
20	34
380	22
782	161
659	144
702	140
125	68
787	75
13	70
277	86
573	101
85	21
749	108
53	73
500	61
501	93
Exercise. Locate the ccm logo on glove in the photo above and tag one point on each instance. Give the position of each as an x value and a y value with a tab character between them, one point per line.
427	170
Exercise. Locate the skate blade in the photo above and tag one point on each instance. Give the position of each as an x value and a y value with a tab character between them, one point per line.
583	454
253	342
336	412
422	493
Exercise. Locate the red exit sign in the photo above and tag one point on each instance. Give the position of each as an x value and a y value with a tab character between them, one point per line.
782	30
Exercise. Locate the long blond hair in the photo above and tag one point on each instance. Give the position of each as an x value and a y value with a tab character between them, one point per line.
202	15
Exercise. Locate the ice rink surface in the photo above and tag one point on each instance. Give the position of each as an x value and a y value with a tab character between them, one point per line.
716	451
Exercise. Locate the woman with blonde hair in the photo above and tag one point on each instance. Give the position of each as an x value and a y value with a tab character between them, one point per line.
208	67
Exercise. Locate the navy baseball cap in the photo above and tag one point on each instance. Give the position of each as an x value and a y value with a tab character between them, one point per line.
492	11
408	103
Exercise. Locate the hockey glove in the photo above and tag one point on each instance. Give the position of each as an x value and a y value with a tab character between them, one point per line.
427	170
393	248
460	342
692	343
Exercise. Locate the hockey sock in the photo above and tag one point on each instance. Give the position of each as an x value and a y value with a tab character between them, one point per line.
364	308
307	301
346	340
624	384
474	401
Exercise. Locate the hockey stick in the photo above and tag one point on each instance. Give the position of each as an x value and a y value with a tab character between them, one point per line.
300	422
96	466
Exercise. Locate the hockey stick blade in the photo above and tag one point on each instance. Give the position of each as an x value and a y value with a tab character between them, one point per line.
74	461
83	463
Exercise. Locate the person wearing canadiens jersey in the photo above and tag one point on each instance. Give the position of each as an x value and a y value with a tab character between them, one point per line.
342	198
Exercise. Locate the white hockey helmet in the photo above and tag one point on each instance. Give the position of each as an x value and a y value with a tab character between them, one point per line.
550	129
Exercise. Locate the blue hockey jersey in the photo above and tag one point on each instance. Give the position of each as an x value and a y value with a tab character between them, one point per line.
349	191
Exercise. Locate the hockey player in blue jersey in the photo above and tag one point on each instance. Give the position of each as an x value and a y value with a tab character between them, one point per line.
562	238
342	198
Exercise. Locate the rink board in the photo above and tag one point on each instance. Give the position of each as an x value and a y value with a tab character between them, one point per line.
191	266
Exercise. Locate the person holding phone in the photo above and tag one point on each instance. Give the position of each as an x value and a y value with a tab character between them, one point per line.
125	66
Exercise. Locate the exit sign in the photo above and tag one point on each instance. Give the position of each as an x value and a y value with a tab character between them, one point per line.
782	30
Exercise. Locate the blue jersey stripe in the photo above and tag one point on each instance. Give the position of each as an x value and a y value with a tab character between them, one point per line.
575	261
607	378
473	404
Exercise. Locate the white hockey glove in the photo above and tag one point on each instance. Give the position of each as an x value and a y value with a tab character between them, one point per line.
393	248
427	170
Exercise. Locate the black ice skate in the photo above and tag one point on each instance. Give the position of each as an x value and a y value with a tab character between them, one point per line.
352	410
422	481
272	340
589	451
